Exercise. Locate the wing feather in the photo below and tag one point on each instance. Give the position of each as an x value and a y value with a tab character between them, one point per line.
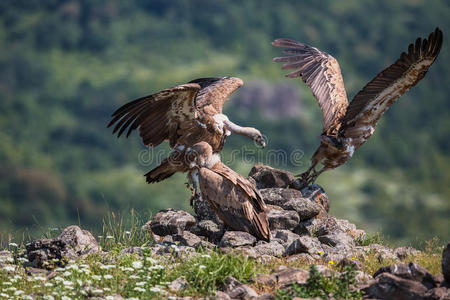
321	72
237	203
215	91
155	114
378	95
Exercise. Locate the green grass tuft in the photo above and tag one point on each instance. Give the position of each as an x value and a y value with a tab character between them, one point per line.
317	285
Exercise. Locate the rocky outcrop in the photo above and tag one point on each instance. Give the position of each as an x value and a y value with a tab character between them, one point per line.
170	221
406	282
70	244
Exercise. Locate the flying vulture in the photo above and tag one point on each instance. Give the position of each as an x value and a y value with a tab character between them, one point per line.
235	200
184	115
347	126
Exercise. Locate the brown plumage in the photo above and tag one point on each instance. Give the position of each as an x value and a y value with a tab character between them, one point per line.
183	115
235	200
347	127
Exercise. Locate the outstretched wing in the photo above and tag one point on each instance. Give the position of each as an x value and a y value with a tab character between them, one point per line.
378	95
321	72
215	91
236	202
159	116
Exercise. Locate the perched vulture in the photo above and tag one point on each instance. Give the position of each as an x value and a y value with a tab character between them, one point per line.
184	115
348	126
235	200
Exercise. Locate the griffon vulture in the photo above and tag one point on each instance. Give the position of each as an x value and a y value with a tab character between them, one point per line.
348	126
235	200
184	115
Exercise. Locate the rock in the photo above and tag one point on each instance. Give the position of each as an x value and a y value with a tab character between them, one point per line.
186	238
290	199
404	252
388	286
282	219
337	239
179	284
236	239
350	262
285	236
171	221
317	194
6	258
209	229
446	263
303	244
265	296
237	290
266	279
70	244
78	242
273	248
409	271
132	250
222	296
267	177
288	276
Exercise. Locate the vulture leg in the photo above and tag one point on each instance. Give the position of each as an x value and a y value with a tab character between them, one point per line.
193	186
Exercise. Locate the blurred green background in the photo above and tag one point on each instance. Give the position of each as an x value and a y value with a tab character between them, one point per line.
65	66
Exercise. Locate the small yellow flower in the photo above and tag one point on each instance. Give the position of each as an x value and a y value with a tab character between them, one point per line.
320	251
331	262
352	258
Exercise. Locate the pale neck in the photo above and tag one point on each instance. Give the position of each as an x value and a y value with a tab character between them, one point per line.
236	129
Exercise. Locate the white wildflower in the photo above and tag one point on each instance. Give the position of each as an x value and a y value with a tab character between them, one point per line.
59	270
141	283
65	298
12	289
156	289
156	267
27	297
108	276
58	278
126	269
97	291
3	295
151	260
67	283
205	256
107	267
72	267
49	297
18	293
201	267
134	277
39	278
109	297
67	273
109	237
7	283
107	289
139	289
22	260
10	260
137	264
84	266
9	268
97	277
14	245
48	284
128	232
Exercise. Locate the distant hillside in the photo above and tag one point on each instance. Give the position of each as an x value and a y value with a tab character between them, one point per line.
66	65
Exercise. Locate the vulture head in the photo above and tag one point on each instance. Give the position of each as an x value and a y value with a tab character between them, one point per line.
201	155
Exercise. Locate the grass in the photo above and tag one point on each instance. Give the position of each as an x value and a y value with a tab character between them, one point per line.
337	286
369	239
